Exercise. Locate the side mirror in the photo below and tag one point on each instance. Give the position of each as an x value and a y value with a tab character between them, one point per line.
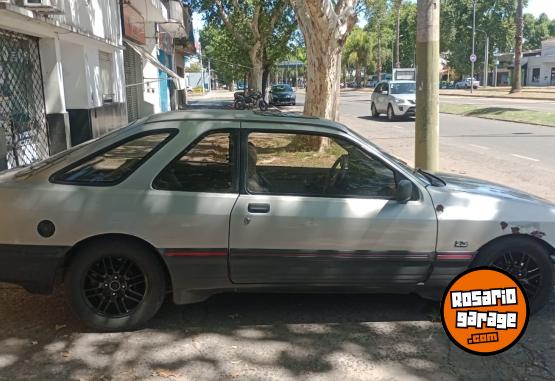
385	92
404	191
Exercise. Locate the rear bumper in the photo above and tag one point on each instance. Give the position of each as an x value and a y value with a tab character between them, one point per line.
30	266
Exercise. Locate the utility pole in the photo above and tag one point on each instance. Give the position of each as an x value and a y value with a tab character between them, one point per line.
473	44
427	85
209	78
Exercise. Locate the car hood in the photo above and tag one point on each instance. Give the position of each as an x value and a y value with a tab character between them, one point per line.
406	97
458	183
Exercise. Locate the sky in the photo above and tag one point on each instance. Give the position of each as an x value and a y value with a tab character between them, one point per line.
536	7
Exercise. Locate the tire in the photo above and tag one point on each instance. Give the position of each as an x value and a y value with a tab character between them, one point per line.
136	277
541	282
239	104
390	113
374	111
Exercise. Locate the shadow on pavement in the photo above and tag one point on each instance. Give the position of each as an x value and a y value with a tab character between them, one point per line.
254	337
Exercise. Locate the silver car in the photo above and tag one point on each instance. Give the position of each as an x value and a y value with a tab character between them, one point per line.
396	99
197	203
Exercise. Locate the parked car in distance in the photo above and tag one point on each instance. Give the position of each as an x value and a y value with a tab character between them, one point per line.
394	98
190	204
466	83
282	94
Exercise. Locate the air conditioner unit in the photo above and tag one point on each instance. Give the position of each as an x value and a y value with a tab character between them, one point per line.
43	6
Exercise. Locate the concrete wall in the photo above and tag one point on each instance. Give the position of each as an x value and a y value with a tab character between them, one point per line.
99	18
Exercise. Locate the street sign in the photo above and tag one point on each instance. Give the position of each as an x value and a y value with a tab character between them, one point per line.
473	58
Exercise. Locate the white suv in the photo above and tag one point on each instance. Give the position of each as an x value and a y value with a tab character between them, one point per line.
395	99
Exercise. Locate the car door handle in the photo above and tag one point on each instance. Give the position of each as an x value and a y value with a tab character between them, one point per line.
259	208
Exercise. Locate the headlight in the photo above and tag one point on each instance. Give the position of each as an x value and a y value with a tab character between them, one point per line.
398	100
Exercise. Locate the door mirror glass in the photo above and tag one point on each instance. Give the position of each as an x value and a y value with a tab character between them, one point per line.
404	191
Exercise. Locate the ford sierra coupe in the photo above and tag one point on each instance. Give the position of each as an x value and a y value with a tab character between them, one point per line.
190	204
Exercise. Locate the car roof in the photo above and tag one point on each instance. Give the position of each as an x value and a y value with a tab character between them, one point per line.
244	116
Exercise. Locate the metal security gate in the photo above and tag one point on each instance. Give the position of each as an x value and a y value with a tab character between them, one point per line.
133	66
23	128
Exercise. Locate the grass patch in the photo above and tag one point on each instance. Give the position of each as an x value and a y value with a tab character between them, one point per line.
500	113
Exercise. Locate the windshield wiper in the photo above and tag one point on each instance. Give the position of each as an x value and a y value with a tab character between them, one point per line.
434	180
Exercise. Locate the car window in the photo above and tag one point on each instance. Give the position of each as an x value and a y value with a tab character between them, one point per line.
279	88
207	166
403	88
312	165
115	164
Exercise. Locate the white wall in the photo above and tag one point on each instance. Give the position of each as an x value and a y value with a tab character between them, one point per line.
99	18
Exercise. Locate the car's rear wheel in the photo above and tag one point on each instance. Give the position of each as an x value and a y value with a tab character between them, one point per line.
374	110
390	113
115	286
528	261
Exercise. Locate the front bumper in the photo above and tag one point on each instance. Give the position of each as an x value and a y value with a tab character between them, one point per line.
405	109
282	101
31	266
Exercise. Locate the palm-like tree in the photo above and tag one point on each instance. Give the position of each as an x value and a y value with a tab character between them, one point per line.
397	9
357	52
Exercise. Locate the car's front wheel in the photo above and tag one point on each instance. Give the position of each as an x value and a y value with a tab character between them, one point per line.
115	286
390	113
528	261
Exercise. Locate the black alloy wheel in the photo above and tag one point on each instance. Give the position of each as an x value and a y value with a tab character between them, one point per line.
114	286
528	261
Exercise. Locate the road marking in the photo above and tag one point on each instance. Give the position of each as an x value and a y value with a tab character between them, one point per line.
477	146
524	157
397	126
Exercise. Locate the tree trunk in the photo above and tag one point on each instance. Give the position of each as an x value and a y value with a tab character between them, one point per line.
325	28
357	73
397	32
379	68
517	71
265	78
257	67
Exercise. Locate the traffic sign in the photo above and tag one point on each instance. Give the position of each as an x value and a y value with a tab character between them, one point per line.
473	58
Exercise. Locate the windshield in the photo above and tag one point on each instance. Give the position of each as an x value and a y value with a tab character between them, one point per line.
403	88
278	88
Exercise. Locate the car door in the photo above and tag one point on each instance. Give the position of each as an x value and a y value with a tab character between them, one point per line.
377	96
190	202
292	224
383	97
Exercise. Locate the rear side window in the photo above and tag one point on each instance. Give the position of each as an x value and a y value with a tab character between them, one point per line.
207	166
113	165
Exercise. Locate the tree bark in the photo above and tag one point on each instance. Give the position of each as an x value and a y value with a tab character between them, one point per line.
517	71
379	68
257	67
397	32
325	28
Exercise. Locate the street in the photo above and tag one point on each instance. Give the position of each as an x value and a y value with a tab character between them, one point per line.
292	337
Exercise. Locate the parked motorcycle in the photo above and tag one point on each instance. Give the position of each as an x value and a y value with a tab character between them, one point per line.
250	101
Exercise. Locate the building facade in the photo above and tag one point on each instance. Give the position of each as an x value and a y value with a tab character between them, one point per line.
539	69
157	35
61	76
